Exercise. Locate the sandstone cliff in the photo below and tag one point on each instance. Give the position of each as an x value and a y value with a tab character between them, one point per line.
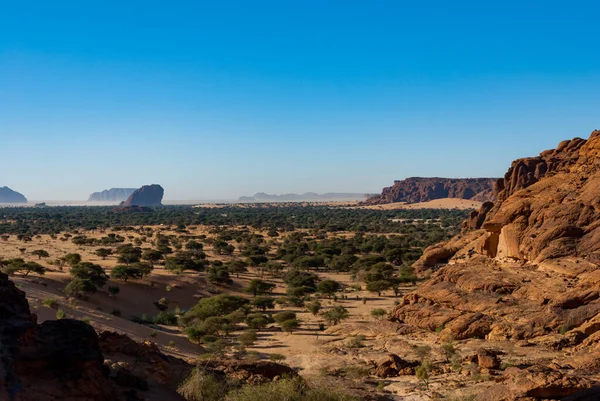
419	189
111	195
7	195
526	266
148	195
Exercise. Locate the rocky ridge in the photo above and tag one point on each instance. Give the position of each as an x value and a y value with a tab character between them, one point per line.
7	195
421	189
307	196
111	195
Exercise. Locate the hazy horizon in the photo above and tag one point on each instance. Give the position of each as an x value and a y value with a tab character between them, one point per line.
222	100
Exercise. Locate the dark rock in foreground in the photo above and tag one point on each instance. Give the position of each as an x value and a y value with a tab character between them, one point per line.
148	195
7	195
55	360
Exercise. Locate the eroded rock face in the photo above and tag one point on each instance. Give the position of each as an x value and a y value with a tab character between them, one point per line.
56	360
527	267
419	189
548	207
148	195
7	195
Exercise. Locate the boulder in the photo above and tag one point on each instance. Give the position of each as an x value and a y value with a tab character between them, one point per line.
487	359
395	366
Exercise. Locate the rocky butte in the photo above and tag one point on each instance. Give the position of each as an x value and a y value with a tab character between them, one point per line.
7	195
420	189
526	269
111	195
148	195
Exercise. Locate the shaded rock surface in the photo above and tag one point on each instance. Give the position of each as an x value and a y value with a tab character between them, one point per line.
111	195
56	360
148	195
7	195
394	366
420	189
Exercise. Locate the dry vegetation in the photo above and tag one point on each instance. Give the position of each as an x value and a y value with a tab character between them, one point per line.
314	299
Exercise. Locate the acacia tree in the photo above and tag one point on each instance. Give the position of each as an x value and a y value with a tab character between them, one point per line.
328	287
336	314
259	287
103	252
87	278
12	266
40	253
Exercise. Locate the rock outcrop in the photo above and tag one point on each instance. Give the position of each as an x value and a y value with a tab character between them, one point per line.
526	267
420	189
55	360
7	195
148	195
111	195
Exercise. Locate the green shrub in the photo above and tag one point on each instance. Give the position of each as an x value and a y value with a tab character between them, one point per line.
356	372
50	303
356	341
60	314
378	313
288	390
167	318
201	386
276	357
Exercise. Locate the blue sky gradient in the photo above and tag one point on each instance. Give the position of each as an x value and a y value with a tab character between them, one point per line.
214	100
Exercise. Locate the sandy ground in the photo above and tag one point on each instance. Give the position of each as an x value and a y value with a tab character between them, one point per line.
446	203
310	350
136	298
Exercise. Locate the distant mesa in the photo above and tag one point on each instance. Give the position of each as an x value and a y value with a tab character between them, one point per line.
111	195
307	196
7	195
421	189
148	195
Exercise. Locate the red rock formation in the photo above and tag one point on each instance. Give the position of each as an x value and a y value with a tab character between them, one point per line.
528	266
418	189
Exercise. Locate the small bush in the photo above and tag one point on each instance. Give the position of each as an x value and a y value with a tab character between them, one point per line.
276	357
167	318
201	386
356	341
378	313
288	390
60	314
356	372
50	303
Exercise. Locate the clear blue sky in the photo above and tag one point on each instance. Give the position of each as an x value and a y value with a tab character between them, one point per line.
217	99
